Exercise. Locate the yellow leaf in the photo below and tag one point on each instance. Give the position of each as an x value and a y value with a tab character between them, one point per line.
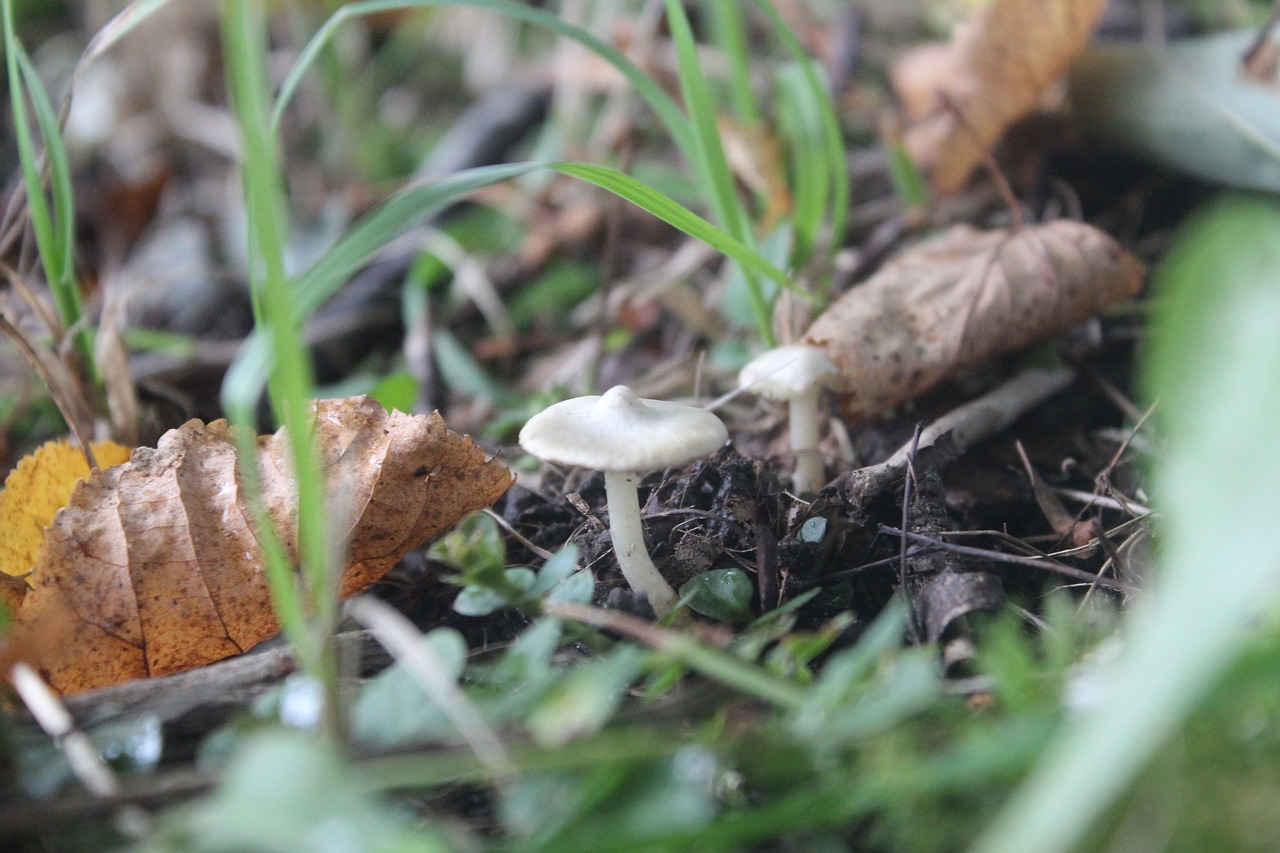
34	492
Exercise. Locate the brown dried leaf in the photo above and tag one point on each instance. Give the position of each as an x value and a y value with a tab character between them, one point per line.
995	70
154	566
961	297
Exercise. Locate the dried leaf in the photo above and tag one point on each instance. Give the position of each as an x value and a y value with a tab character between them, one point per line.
961	297
997	67
36	489
154	567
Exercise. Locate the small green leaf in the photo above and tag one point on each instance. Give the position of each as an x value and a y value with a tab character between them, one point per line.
721	594
476	600
392	709
560	565
396	391
287	793
586	699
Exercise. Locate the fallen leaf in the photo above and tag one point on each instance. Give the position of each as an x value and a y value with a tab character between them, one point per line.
962	297
995	70
154	567
36	489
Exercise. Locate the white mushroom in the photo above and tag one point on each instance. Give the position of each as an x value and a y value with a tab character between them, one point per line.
797	374
624	436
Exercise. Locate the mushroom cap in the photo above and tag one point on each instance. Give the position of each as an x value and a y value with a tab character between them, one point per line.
619	431
788	372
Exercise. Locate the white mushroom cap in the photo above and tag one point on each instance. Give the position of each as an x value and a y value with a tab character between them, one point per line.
788	372
619	431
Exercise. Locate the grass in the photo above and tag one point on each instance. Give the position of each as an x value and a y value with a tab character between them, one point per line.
782	735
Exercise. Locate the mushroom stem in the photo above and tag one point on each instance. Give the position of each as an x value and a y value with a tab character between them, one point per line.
808	475
627	533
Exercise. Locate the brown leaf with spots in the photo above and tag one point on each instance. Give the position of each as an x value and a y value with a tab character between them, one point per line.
995	70
154	567
962	297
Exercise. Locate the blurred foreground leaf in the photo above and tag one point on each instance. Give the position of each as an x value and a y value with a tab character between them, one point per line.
1187	106
1213	364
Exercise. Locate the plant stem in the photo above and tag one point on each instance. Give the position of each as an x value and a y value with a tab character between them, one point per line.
290	382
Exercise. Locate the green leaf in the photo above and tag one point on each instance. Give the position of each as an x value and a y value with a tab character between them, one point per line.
1214	365
1186	106
561	579
476	600
721	594
287	793
584	701
392	709
800	121
396	391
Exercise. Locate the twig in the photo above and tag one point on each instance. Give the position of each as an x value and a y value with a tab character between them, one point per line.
907	481
987	415
726	669
993	169
518	536
1031	562
53	717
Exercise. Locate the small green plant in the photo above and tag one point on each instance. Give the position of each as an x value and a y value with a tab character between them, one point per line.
52	212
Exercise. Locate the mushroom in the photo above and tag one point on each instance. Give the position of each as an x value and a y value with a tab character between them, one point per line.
624	436
795	373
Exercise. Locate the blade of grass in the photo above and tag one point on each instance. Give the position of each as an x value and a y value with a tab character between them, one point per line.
290	378
679	216
834	148
801	125
729	30
710	165
659	101
908	184
53	223
415	203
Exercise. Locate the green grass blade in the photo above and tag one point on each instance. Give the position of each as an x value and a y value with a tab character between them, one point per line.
37	205
676	214
659	101
730	33
801	125
290	376
402	211
834	147
53	223
416	202
710	165
1213	363
908	184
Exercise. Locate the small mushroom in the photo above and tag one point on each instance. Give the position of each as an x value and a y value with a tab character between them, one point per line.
797	374
624	436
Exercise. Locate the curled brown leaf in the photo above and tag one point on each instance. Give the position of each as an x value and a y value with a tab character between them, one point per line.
962	297
994	71
154	567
